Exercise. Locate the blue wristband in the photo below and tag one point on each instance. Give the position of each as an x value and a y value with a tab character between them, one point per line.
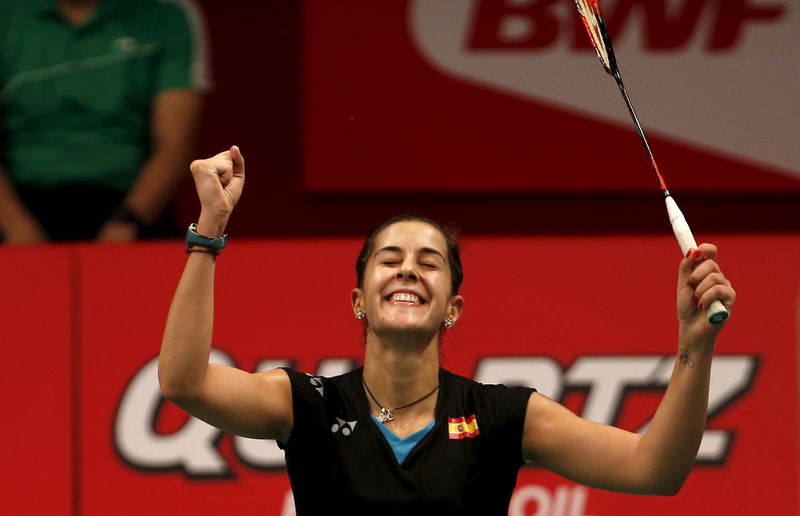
193	238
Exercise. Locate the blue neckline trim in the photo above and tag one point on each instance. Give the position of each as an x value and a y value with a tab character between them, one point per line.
402	447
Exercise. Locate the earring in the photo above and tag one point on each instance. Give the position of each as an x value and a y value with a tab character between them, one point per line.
360	314
449	323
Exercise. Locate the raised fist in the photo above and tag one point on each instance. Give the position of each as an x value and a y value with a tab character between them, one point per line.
219	181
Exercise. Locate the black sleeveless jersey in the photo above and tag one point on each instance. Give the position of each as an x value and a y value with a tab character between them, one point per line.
340	463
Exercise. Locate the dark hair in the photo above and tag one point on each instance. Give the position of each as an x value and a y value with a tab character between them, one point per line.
453	249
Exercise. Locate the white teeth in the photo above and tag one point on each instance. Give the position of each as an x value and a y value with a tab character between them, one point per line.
406	297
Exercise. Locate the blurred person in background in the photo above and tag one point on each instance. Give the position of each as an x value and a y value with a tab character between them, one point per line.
100	102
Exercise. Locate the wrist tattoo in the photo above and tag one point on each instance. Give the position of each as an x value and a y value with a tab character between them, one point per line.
685	359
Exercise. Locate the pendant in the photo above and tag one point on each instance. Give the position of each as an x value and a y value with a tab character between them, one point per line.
385	416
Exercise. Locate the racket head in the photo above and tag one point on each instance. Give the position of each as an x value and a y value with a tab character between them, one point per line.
592	18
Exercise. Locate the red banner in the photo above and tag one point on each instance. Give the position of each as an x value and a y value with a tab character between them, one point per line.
504	96
37	378
588	321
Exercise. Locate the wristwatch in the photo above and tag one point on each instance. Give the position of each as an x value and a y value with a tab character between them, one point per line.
193	238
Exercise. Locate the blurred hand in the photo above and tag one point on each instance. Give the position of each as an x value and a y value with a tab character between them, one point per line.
113	231
25	230
700	281
219	181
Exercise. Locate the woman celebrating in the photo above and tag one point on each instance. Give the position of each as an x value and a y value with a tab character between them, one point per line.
400	435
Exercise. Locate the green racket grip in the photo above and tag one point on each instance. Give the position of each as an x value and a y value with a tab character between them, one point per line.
716	311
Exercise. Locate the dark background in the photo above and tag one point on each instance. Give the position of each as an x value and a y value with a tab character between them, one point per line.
257	66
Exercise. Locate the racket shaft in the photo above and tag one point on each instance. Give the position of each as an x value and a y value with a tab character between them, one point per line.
716	311
598	34
632	112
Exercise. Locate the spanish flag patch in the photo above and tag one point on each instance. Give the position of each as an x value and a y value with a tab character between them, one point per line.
463	427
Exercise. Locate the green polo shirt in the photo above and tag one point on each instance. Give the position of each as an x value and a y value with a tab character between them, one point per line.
75	101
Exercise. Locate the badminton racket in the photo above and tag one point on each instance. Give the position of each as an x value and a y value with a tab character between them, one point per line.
592	18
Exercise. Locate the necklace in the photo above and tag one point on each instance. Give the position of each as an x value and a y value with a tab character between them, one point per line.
386	413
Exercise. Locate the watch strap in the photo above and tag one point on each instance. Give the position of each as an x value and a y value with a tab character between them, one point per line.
193	238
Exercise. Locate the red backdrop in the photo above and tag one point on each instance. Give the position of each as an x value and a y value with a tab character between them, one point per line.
589	321
502	96
290	75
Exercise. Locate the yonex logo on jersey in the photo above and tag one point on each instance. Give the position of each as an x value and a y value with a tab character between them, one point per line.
316	383
463	427
345	427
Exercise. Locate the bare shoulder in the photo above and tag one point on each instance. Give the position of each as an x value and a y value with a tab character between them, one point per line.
277	384
256	405
541	408
547	423
277	394
276	378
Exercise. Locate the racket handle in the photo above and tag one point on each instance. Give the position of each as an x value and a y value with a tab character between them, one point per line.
716	311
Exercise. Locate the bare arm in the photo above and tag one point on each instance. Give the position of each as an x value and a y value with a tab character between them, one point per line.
249	404
17	224
659	461
174	124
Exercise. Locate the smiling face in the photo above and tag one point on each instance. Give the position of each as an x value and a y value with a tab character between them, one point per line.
407	282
